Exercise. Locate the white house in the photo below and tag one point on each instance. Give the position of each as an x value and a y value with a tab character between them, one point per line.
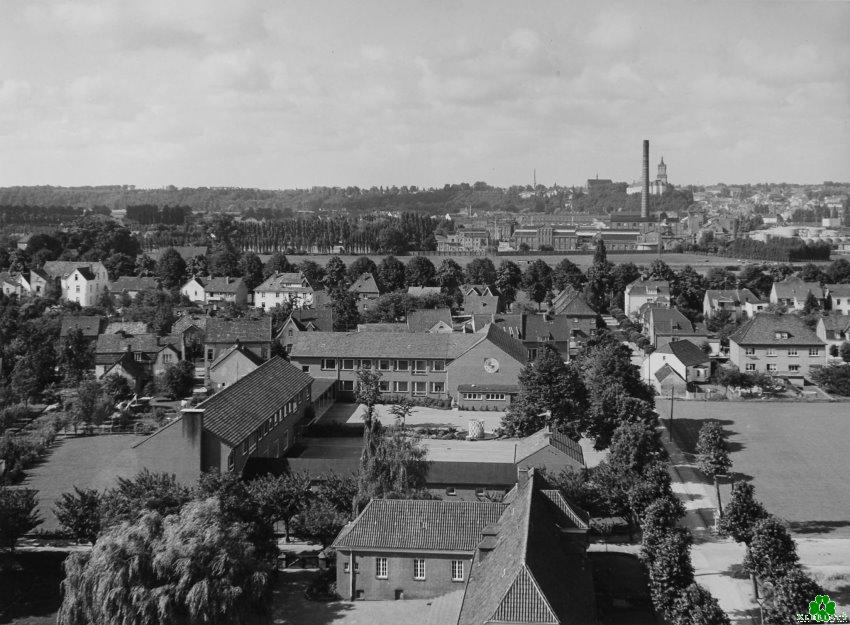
81	282
640	292
793	291
839	295
684	358
280	288
194	290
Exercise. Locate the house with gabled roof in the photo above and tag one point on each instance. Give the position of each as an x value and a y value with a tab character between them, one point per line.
641	292
255	417
80	281
778	345
793	291
509	559
195	290
222	290
365	288
733	301
833	330
252	334
662	325
839	297
284	288
419	364
154	354
233	364
13	283
131	286
431	320
683	358
89	325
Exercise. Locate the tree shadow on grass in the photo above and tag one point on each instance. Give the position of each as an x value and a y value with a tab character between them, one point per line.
291	607
817	527
29	586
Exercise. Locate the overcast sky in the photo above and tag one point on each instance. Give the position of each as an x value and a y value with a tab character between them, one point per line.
367	92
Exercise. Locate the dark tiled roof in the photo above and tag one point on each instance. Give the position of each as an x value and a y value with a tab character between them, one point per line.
242	330
688	354
115	343
640	287
86	272
127	327
365	285
284	282
571	303
838	290
90	325
419	291
223	285
424	319
133	283
763	328
382	344
472	474
835	325
547	328
793	287
523	577
60	268
127	362
187	321
321	319
233	413
382	327
670	321
511	346
544	438
477	304
669	372
431	525
736	296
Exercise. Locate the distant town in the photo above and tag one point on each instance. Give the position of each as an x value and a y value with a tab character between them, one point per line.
461	405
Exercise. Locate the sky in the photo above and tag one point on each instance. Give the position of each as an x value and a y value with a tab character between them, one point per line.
308	93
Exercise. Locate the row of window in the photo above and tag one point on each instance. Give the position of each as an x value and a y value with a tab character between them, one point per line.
484	396
250	443
382	570
401	386
416	366
792	351
751	366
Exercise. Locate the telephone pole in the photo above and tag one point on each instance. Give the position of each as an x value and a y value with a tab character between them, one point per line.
670	424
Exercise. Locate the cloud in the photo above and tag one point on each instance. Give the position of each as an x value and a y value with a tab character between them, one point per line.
236	70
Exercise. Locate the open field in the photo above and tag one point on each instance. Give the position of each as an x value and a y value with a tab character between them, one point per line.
795	454
88	462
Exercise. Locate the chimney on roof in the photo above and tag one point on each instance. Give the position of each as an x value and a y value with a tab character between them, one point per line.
644	193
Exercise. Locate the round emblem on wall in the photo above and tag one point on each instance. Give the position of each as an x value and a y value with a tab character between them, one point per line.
491	365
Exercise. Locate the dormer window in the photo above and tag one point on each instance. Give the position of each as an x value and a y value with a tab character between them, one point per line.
781	335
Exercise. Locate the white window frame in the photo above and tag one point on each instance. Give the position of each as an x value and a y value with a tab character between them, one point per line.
384	386
749	351
343	363
384	365
794	368
420	367
771	366
770	352
457	567
398	384
792	352
751	366
419	569
814	351
382	568
438	365
420	388
325	366
441	389
399	367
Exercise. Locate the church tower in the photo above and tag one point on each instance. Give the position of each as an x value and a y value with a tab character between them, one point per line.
662	171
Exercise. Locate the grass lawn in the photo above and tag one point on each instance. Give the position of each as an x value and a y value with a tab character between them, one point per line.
88	462
796	455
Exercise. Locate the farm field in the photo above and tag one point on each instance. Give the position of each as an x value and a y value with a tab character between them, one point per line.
795	454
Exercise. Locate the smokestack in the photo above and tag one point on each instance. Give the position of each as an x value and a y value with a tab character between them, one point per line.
644	194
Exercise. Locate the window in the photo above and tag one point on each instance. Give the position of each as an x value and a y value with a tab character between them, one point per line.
770	352
348	364
166	358
365	364
400	387
347	385
532	354
793	368
289	333
305	368
451	491
138	356
750	351
401	365
384	386
438	365
771	366
230	461
419	569
814	351
419	366
381	568
346	567
457	570
384	365
792	351
751	366
420	388
438	387
328	363
495	397
78	288
473	396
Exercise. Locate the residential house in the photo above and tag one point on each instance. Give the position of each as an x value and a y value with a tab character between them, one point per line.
81	282
305	320
833	330
662	325
777	344
195	290
509	559
12	283
839	297
535	331
252	334
365	288
233	364
571	304
751	309
191	330
257	416
480	299
685	364
130	369
131	286
223	290
128	327
154	354
38	282
474	370
422	291
640	292
732	301
89	325
431	320
793	291
284	288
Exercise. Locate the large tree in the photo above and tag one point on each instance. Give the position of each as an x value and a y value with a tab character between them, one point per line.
18	514
742	513
696	606
508	280
537	280
79	513
391	274
449	276
280	498
192	567
420	271
567	273
335	279
481	271
179	378
713	456
551	393
171	269
361	265
772	552
251	268
76	356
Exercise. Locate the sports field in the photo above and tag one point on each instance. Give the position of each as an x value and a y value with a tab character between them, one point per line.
795	454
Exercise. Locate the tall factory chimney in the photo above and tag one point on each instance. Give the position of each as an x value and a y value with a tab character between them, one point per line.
644	193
